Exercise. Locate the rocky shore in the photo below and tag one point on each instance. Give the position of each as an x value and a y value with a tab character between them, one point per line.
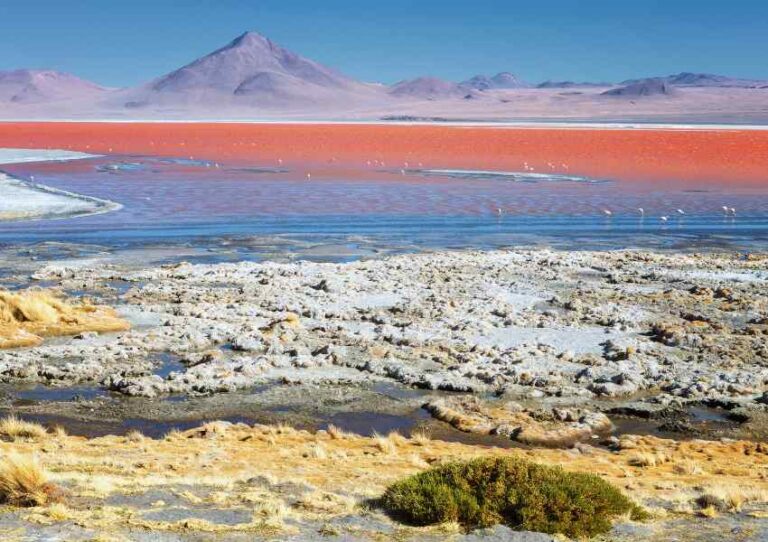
622	333
544	351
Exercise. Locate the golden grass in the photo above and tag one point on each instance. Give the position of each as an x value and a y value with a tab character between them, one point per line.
29	315
687	467
317	451
326	504
134	436
647	459
206	466
733	498
420	437
386	444
15	428
338	434
23	482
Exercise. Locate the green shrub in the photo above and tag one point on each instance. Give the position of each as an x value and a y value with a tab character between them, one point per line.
517	493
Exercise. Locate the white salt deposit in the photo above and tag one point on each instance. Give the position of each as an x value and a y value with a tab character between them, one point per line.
26	200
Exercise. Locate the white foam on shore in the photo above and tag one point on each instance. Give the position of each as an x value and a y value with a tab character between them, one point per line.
17	156
25	200
516	176
534	124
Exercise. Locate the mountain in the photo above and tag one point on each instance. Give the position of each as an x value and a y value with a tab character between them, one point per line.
644	87
428	88
500	80
570	84
689	79
253	77
39	86
251	70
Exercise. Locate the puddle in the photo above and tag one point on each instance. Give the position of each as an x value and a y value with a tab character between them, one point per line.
41	393
703	414
692	422
169	363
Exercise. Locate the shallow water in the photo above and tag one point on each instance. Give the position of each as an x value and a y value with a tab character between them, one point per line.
203	203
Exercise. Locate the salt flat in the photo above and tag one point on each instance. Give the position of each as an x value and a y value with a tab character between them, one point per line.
27	200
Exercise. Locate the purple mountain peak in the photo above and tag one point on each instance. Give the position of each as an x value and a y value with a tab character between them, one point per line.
248	56
250	39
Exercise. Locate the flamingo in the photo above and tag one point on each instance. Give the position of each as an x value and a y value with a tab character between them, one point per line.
309	176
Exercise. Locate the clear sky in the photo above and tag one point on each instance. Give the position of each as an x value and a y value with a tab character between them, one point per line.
126	42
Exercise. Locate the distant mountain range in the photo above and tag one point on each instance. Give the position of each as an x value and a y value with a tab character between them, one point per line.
500	80
253	73
35	86
643	87
688	79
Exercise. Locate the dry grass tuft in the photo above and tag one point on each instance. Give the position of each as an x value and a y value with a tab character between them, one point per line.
282	429
134	436
731	498
15	428
325	503
23	482
29	315
420	437
384	444
173	434
687	467
317	451
270	513
58	512
647	459
338	434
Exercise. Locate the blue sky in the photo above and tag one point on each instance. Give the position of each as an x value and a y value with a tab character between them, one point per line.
122	43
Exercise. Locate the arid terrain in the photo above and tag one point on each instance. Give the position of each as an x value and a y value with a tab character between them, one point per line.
535	352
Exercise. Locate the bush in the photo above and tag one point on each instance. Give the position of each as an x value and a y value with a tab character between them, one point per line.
517	493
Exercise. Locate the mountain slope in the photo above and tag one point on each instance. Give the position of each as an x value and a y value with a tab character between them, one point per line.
40	86
690	79
503	80
428	88
250	71
643	88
